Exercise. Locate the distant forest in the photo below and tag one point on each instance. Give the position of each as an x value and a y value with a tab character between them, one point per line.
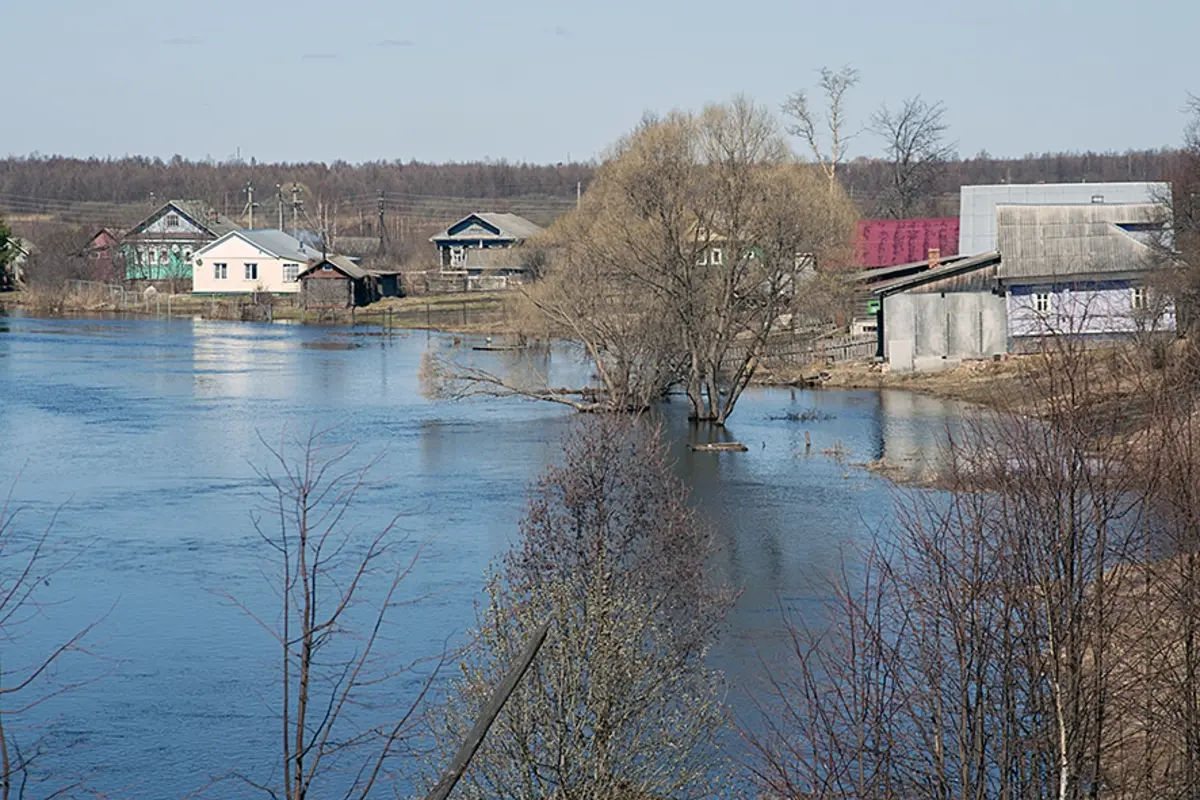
419	198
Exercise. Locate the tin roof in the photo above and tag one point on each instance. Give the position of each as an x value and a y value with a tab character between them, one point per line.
890	242
1072	240
506	227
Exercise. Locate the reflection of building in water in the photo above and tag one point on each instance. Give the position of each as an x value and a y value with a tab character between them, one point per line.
914	429
242	361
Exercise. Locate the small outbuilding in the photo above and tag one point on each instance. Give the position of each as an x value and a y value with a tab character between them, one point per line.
337	282
938	317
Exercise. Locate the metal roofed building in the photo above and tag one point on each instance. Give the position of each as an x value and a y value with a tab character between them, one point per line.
977	204
1082	270
481	231
937	317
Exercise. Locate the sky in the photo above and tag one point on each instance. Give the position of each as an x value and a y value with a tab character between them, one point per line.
548	81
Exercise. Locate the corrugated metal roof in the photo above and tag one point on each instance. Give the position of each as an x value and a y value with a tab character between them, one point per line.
508	226
977	204
889	242
276	242
1071	240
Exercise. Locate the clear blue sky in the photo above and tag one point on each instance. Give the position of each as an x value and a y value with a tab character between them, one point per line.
540	81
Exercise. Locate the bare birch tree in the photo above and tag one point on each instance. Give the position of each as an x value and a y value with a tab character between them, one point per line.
824	130
341	713
619	702
914	141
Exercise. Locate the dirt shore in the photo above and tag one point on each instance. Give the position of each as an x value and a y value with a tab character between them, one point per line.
982	382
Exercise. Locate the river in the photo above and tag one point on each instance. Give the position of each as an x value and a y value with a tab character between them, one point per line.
142	437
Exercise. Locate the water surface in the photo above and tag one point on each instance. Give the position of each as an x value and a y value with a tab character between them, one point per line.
143	436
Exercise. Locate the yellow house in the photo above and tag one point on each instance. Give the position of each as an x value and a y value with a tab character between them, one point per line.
242	262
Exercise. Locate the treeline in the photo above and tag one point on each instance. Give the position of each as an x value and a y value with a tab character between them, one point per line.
43	184
867	180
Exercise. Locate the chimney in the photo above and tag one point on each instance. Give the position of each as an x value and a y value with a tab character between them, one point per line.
935	257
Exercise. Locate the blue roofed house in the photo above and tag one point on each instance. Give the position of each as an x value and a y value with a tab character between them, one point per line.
1084	270
480	250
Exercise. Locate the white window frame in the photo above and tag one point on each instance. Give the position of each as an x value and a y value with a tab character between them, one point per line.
1041	302
220	271
291	273
171	221
250	270
1138	298
716	257
458	257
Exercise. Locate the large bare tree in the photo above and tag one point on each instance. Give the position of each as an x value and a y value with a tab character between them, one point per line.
825	130
914	140
696	246
619	702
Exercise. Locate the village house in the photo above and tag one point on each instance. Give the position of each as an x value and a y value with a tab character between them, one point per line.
101	254
476	249
337	282
160	247
1082	270
251	262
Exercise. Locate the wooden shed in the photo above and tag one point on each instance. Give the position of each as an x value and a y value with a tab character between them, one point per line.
337	282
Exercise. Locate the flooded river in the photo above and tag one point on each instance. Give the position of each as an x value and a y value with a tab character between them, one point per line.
143	435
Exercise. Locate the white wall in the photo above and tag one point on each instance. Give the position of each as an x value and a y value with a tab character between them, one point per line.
235	253
931	331
1096	311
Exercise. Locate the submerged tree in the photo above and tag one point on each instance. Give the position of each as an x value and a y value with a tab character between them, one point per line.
700	240
619	702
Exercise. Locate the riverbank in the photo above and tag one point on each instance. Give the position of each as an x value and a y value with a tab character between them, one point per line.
489	313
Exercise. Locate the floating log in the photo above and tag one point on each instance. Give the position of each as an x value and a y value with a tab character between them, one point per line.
720	447
498	347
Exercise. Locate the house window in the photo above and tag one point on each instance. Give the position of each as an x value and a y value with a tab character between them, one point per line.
703	259
251	272
187	254
172	221
291	273
458	257
220	271
718	257
1041	303
1139	298
164	257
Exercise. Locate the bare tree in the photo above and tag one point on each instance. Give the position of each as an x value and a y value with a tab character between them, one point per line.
824	130
694	248
620	702
28	561
916	148
342	718
986	647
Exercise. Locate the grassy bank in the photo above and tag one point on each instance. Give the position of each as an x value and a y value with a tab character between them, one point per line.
475	312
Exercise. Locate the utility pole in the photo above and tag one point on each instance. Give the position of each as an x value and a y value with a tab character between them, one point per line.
578	193
295	209
250	204
382	244
279	202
